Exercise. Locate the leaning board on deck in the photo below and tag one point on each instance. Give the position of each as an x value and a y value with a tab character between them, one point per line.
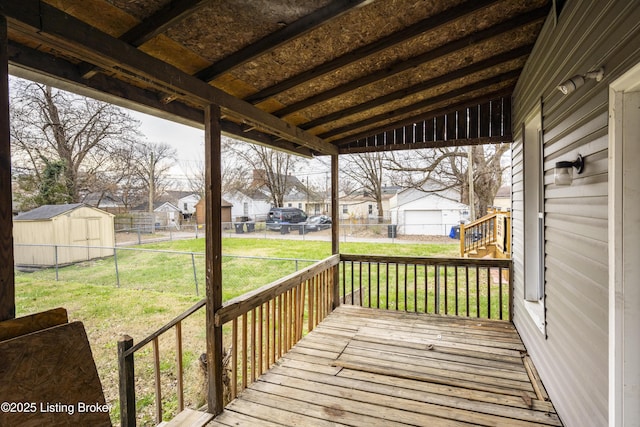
47	375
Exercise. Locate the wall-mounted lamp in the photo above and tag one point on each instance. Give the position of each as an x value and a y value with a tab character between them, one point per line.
578	80
563	174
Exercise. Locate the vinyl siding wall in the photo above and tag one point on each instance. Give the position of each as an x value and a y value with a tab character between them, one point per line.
572	359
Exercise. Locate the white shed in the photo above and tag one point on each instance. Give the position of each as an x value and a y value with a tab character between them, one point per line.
418	212
62	234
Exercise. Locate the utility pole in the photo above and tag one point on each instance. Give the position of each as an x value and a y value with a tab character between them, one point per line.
151	194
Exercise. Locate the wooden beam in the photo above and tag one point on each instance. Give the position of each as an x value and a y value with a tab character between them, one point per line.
425	116
425	103
160	21
27	63
7	279
91	45
420	27
439	52
278	38
213	255
425	85
430	144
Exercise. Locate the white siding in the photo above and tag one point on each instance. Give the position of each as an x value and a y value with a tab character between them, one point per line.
572	359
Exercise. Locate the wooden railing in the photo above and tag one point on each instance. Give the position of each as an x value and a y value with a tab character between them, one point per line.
126	352
262	325
485	231
454	286
267	322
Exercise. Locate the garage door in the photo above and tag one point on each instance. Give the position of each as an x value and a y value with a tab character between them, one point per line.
422	223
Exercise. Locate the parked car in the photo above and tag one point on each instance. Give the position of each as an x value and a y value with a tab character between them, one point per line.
318	222
289	217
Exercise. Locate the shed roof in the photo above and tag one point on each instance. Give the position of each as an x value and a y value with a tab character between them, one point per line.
46	212
306	76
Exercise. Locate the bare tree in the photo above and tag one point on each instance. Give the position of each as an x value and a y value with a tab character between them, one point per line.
366	171
50	126
271	169
447	168
153	164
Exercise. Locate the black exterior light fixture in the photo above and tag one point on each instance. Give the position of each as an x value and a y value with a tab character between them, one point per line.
576	81
563	174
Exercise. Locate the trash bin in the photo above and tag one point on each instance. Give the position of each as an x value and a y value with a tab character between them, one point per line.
239	227
251	227
392	231
455	232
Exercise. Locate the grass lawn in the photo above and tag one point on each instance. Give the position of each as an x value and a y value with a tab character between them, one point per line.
157	286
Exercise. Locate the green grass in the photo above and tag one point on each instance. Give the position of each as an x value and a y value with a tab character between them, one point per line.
154	288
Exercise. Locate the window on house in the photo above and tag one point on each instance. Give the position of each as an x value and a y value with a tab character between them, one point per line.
245	208
185	208
370	209
345	209
534	280
299	205
289	205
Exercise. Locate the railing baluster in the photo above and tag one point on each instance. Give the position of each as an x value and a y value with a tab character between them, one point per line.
397	286
369	282
234	358
477	291
500	291
405	287
466	272
179	369
260	343
437	290
252	361
426	288
387	287
488	293
243	354
455	287
446	290
415	288
156	371
378	285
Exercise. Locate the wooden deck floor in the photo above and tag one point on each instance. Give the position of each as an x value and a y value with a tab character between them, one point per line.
364	367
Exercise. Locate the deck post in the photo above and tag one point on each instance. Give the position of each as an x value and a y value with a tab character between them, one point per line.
127	383
213	245
7	280
335	229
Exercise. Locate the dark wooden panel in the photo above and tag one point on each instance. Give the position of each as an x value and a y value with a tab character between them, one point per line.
52	367
35	322
485	118
496	118
440	129
452	126
430	130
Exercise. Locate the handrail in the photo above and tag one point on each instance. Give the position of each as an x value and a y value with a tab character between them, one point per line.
469	287
253	299
197	306
481	232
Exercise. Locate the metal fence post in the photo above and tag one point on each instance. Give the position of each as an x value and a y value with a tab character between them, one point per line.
139	237
127	384
195	275
115	260
55	250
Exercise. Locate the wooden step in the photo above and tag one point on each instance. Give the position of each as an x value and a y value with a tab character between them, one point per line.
188	418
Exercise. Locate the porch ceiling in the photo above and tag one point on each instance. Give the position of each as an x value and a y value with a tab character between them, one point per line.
307	76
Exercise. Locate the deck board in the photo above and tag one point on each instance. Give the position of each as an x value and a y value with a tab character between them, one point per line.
366	367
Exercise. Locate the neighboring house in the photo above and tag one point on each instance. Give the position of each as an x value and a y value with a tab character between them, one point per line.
165	213
62	234
309	201
252	204
361	205
502	200
106	202
200	213
418	212
187	205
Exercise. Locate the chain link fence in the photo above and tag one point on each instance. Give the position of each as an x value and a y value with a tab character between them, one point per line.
151	269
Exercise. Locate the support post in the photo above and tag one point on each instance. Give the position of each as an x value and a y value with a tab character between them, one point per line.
127	383
7	279
213	244
335	227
